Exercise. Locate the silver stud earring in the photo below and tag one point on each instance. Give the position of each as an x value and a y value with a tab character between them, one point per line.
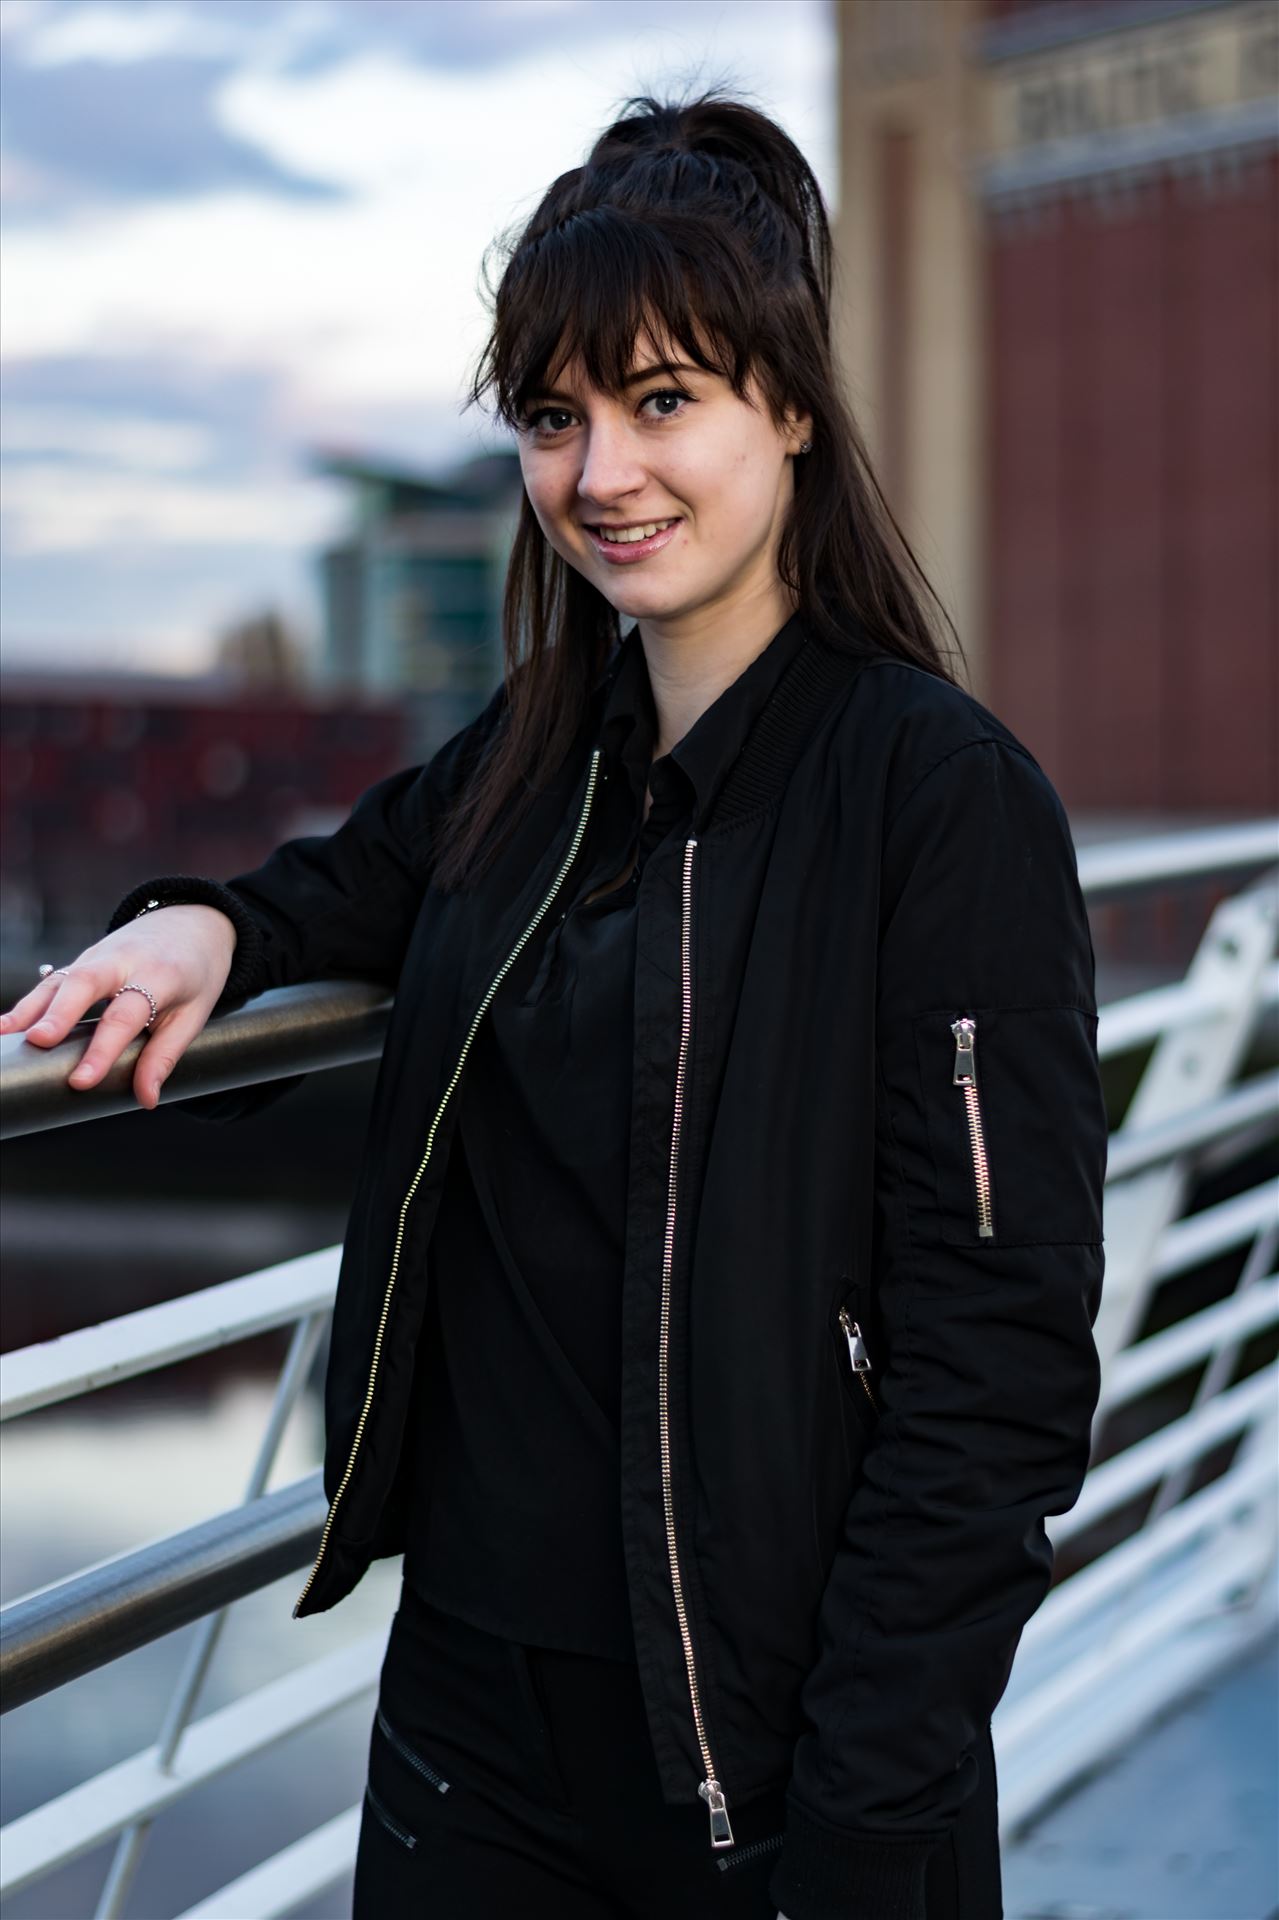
807	447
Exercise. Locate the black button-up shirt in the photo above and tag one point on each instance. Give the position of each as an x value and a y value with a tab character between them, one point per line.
515	1503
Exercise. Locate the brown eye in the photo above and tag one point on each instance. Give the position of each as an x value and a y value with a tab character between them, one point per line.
668	393
531	419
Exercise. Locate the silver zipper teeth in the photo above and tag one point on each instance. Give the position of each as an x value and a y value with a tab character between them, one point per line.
388	1820
710	1789
965	1076
496	982
751	1852
406	1752
857	1353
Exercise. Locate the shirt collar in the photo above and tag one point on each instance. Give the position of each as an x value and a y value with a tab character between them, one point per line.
628	726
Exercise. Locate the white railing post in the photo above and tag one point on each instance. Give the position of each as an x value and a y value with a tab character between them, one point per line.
1257	1266
129	1847
1188	1066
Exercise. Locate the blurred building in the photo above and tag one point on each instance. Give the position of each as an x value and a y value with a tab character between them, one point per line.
107	779
412	596
1059	245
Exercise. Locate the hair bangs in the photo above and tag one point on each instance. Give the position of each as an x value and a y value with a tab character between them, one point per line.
597	291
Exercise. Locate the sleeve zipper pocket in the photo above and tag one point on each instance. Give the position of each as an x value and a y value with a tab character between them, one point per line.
965	1076
859	1358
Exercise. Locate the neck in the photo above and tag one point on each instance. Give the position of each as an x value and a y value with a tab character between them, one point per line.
691	662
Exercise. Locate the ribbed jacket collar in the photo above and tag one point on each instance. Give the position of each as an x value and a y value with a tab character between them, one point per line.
710	748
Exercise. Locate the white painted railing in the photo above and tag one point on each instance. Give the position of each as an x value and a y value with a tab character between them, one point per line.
1169	1581
1161	1581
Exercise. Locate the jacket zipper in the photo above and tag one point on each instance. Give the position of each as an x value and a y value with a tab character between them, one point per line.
857	1353
498	977
751	1852
965	1076
710	1789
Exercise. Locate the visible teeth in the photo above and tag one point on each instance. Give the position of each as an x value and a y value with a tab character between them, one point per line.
622	534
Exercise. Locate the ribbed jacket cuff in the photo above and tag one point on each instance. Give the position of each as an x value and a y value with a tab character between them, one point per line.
829	1873
187	889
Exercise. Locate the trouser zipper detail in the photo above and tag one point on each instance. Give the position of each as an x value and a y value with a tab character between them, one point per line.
710	1789
481	1010
965	1076
389	1821
857	1354
406	1752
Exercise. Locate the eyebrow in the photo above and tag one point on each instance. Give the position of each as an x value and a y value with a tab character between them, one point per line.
631	380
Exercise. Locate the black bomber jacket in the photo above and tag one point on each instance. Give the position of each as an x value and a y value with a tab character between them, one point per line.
864	1247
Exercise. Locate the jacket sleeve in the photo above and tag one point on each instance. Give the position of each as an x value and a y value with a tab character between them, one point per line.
984	1287
335	906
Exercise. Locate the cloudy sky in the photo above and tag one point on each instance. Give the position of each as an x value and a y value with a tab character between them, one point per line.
237	231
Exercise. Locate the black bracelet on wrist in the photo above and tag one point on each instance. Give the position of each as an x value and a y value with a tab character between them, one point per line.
185	889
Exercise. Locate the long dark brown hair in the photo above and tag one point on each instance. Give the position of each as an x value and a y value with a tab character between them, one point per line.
700	222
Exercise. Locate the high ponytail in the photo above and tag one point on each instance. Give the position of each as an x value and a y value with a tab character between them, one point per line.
719	128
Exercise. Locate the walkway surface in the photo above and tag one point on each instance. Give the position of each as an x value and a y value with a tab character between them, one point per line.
1185	1826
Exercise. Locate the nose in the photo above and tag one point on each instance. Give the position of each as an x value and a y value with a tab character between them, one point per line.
611	469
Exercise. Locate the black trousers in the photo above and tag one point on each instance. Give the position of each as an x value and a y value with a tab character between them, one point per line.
513	1779
506	1778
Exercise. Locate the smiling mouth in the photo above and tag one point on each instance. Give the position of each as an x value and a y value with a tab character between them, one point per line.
630	535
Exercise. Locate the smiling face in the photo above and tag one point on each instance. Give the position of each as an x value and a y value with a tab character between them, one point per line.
678	445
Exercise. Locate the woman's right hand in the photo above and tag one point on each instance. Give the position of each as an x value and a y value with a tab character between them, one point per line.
182	954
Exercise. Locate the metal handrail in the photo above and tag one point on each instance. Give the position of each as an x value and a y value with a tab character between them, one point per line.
1138	1018
141	1786
307	1028
178	1329
1123	865
321	1024
66	1630
338	1023
1247	1103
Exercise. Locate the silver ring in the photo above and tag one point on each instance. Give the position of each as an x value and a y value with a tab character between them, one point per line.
49	968
132	986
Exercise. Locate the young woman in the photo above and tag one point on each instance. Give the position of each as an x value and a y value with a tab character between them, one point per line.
713	1332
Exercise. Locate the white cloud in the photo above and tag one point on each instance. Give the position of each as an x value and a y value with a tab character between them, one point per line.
20	16
23	182
120	35
162	445
376	122
374	297
52	508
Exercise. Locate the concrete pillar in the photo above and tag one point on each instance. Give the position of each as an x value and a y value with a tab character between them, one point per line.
909	286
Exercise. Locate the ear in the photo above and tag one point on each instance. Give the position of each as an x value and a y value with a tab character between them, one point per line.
799	428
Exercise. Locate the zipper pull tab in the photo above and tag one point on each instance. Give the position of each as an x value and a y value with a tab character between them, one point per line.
856	1344
965	1032
721	1831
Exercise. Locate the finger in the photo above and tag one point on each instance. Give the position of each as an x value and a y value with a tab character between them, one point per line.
73	991
169	1040
124	1018
31	1006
